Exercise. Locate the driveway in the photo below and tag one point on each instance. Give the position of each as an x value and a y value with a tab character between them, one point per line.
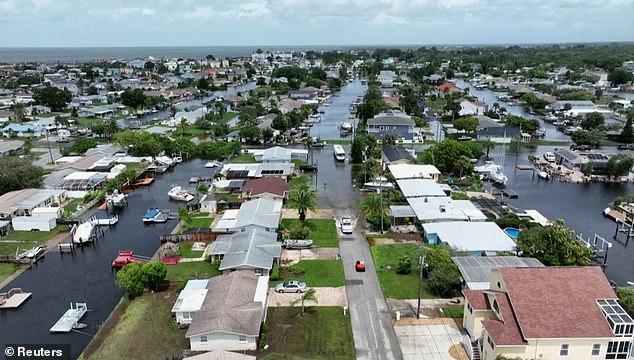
292	257
371	319
431	339
326	296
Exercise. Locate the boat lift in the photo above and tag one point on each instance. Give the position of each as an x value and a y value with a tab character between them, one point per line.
599	245
70	319
625	227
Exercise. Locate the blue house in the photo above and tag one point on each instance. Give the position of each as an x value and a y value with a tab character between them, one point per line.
20	130
397	123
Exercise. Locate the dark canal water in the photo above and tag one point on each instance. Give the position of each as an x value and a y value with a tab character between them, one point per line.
59	279
338	111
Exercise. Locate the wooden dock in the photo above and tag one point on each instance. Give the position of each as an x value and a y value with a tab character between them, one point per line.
615	215
13	298
144	182
525	167
70	318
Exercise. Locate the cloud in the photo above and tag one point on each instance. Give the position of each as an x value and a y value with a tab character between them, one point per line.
133	11
200	13
383	19
9	7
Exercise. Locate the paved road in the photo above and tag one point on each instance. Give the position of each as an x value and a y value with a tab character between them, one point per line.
374	335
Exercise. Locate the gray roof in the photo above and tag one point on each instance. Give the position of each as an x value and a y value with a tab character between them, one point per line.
476	270
402	211
251	249
261	212
395	153
38	197
276	153
504	131
420	187
229	306
10	145
470	236
390	120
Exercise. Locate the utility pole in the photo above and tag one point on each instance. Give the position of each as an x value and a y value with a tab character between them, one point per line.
381	195
50	153
421	262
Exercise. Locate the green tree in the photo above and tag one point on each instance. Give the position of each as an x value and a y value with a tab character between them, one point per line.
131	278
593	120
527	125
251	134
303	198
553	245
133	98
18	112
17	174
619	76
374	208
280	123
592	137
619	165
626	299
202	84
53	97
184	216
445	280
389	139
446	156
356	152
153	273
309	295
627	134
468	124
182	125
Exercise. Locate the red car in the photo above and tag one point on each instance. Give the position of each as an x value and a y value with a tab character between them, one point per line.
359	266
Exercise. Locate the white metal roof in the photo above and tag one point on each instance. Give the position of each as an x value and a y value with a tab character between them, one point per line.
420	187
471	236
413	171
443	208
191	297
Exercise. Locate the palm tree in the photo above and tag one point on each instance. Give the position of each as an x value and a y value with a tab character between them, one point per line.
308	295
303	198
112	127
183	126
18	112
184	216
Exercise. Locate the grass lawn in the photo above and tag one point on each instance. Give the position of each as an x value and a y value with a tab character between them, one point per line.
340	142
243	159
193	270
318	273
185	250
453	311
71	207
297	180
293	336
139	336
197	222
398	286
26	240
323	232
6	270
298	163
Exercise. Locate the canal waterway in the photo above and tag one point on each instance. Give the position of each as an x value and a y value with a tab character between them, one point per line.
337	111
86	276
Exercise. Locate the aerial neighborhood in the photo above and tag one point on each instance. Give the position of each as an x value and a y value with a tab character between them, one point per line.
431	203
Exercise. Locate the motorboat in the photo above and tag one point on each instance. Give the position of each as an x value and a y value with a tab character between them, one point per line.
179	194
165	161
195	179
106	222
297	244
213	164
156	215
346	128
84	232
32	253
493	172
543	175
378	185
116	199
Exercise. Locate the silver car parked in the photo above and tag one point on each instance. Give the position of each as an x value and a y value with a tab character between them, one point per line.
291	286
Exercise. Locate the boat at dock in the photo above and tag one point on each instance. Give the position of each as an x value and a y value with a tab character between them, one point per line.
70	318
179	194
493	172
213	164
297	244
84	232
345	128
106	222
155	215
126	257
339	152
32	253
116	199
13	298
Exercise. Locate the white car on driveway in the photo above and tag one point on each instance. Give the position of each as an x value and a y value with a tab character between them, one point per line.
346	225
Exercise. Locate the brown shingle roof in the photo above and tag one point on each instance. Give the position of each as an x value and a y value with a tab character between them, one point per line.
268	184
559	302
507	330
477	299
229	306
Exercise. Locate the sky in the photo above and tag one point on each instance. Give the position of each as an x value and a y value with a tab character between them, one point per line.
108	23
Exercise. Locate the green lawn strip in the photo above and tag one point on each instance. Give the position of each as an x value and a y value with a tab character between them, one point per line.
140	336
6	270
35	235
298	163
227	197
398	286
185	250
192	270
322	333
323	232
385	235
11	248
340	142
315	273
197	222
453	311
228	115
243	159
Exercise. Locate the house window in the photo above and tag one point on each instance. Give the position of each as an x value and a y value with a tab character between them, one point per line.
563	351
618	350
242	339
258	272
381	128
187	315
203	338
495	306
469	308
491	343
596	349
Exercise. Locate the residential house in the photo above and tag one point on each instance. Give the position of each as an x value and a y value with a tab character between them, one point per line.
570	159
278	154
443	208
471	108
412	188
395	155
307	93
254	250
548	313
220	355
574	105
386	78
265	187
23	202
190	300
231	314
414	171
476	238
22	130
396	123
11	147
498	134
476	270
262	213
257	170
